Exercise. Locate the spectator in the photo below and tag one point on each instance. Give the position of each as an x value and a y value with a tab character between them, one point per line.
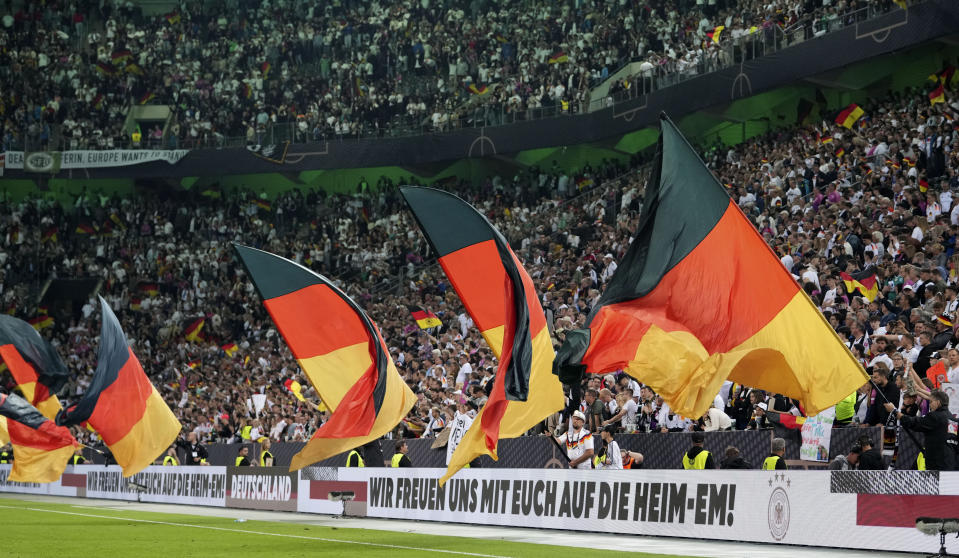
846	462
734	460
578	442
936	455
195	453
612	457
870	459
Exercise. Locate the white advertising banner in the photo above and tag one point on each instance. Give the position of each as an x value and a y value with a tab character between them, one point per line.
52	161
816	508
196	485
68	485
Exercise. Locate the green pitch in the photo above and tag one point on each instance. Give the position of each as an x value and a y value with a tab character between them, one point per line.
45	529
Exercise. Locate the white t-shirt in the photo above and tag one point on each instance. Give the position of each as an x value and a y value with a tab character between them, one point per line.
630	417
576	445
461	423
614	457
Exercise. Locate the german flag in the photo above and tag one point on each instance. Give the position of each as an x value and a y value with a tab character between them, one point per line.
715	33
558	57
193	364
146	98
937	95
849	116
41	322
85	229
501	39
908	162
173	18
150	289
120	57
50	235
826	140
134	303
500	297
98	101
787	420
340	350
247	91
34	364
41	449
122	405
265	69
263	204
478	89
700	298
840	152
230	349
194	332
105	69
923	185
134	68
424	318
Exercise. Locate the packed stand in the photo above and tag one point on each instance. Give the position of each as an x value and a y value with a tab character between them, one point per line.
239	68
827	199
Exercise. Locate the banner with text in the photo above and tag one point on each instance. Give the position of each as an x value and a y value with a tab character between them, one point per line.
816	435
202	486
261	488
54	161
770	507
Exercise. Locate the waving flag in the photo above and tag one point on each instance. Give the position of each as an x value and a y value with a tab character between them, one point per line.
849	116
34	364
865	282
699	297
40	447
194	331
122	405
230	349
500	297
558	57
424	318
338	347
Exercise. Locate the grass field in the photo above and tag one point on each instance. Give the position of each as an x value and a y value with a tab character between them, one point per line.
47	529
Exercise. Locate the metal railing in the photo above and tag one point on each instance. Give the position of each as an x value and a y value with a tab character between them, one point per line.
666	73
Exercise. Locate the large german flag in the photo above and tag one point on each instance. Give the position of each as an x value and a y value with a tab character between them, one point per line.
864	281
34	364
41	449
700	297
122	405
500	297
338	347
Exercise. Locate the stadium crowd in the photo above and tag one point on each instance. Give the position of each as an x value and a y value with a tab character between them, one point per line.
70	73
877	197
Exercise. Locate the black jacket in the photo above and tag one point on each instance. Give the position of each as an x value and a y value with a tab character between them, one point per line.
736	463
935	425
871	461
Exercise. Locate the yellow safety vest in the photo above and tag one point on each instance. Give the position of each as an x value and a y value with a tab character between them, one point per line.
359	458
921	462
395	462
136	137
238	459
846	408
5	458
245	433
263	456
565	105
769	464
170	460
698	463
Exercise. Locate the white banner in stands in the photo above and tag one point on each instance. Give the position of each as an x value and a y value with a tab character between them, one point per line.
66	486
870	510
53	161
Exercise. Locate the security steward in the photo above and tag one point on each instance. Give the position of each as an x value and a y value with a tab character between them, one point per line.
775	461
266	458
170	460
242	459
354	459
77	458
697	457
6	455
400	458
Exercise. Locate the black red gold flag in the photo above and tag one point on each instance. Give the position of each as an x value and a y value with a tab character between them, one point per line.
864	281
121	403
340	350
40	447
424	318
37	369
501	298
699	297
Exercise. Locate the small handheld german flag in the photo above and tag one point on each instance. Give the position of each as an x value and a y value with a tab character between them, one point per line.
424	318
864	281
